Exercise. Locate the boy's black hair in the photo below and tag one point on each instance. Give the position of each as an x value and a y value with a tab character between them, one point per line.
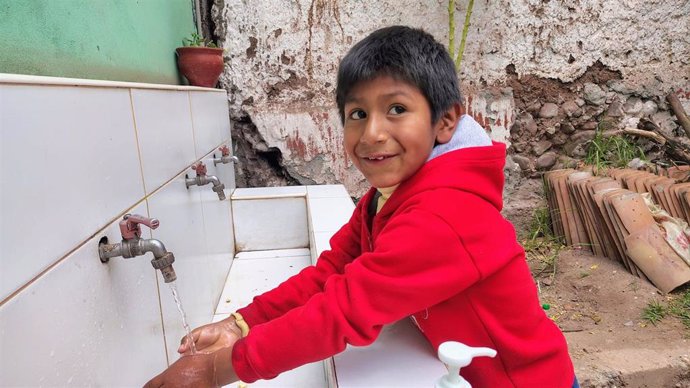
404	53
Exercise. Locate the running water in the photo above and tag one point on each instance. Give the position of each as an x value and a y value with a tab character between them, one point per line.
188	332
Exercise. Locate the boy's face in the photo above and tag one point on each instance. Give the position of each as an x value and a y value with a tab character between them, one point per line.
388	130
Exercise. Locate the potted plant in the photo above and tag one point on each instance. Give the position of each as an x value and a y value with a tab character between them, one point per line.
199	61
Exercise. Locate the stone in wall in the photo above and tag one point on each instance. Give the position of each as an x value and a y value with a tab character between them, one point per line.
576	110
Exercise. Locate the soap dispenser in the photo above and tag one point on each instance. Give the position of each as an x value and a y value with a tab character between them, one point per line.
457	355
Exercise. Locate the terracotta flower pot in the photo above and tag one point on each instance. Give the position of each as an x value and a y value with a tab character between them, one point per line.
200	65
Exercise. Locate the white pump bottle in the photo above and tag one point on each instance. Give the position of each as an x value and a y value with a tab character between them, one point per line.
457	355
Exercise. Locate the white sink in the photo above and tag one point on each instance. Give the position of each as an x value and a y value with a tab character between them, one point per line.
400	357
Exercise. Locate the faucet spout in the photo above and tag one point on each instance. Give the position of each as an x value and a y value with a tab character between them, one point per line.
225	156
132	246
218	187
152	245
202	179
164	264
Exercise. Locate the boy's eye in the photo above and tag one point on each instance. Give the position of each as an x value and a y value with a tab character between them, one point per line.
358	114
396	110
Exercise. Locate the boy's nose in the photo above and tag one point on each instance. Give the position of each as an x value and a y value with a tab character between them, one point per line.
375	130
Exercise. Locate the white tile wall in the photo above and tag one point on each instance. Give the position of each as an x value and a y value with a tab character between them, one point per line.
400	357
181	221
327	191
263	224
329	214
321	243
199	282
272	254
183	230
330	207
210	127
251	277
164	128
224	172
69	165
273	192
218	228
84	323
218	214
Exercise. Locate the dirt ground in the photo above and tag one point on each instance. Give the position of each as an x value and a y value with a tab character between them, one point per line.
598	305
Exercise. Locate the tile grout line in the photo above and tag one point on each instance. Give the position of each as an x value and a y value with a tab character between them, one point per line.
136	139
69	253
46	81
87	239
194	140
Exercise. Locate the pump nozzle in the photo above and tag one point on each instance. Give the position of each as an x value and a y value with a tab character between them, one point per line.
457	355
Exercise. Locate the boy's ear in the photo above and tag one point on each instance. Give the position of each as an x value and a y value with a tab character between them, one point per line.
445	127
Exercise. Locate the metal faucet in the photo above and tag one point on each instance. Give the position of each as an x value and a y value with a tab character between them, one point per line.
203	179
225	156
133	245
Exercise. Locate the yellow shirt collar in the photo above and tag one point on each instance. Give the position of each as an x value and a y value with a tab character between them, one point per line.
386	193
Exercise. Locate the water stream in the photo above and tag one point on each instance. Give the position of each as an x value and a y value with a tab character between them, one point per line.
178	302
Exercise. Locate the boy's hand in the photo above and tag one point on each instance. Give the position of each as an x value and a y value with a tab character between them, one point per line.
200	370
212	337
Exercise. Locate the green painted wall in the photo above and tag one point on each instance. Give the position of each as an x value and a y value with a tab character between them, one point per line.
121	40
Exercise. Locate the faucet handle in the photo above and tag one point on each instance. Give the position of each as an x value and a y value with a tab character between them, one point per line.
200	168
129	226
225	151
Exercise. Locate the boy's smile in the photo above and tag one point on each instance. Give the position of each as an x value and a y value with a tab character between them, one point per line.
388	130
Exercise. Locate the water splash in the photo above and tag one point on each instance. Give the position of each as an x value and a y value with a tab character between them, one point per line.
178	302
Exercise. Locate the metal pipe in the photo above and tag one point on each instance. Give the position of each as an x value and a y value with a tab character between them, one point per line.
213	179
226	159
162	259
154	246
201	180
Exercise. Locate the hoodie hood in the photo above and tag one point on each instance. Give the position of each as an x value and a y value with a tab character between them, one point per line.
476	170
468	133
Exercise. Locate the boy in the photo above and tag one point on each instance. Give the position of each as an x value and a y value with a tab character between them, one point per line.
427	241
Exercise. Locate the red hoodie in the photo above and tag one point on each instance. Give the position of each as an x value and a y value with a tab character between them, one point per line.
440	251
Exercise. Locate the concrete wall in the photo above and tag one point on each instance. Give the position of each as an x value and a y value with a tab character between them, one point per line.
283	58
104	39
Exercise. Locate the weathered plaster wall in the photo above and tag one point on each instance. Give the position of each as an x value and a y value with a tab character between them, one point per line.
648	41
282	59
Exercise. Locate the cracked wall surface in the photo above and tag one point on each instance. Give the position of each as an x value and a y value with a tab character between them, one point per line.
282	57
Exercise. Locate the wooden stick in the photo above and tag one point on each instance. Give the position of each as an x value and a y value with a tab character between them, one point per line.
677	108
637	132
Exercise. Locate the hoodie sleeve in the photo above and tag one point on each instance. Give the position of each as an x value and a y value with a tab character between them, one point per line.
296	290
418	261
